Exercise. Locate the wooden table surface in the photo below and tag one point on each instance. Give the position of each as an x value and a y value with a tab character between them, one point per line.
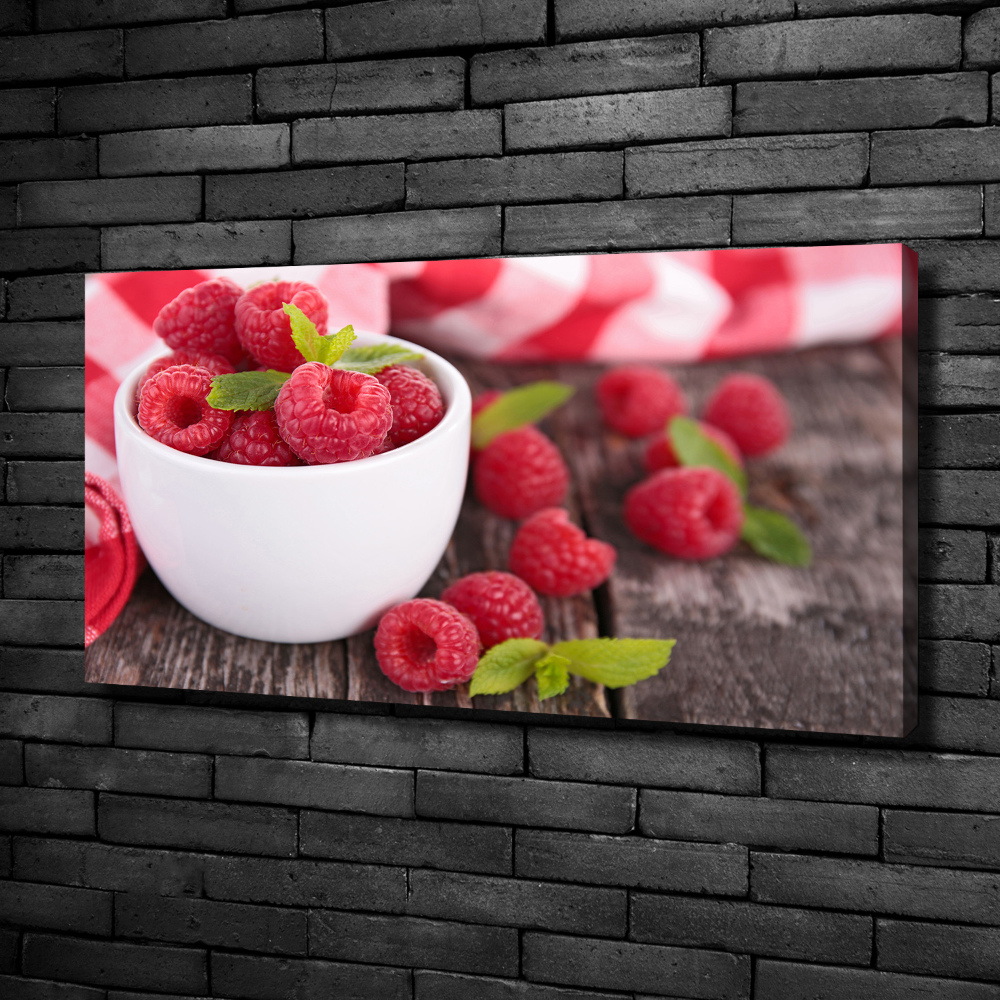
758	644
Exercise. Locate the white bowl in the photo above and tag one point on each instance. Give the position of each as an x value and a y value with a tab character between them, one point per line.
305	554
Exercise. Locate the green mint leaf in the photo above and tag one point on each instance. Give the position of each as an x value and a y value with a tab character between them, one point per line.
517	408
334	344
615	662
693	447
304	334
506	665
247	390
773	535
552	675
371	360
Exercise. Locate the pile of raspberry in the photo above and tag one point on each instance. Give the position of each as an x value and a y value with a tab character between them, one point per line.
321	415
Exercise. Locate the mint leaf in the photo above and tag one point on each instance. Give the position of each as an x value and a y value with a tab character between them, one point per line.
247	390
693	446
615	662
773	535
334	344
304	334
506	665
552	675
517	408
374	358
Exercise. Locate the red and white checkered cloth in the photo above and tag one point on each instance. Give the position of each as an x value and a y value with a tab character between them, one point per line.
674	307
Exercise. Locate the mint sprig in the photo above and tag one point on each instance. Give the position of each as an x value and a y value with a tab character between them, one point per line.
246	390
373	358
552	675
326	349
506	666
517	408
693	446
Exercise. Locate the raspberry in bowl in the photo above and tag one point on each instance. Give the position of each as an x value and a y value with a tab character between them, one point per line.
290	552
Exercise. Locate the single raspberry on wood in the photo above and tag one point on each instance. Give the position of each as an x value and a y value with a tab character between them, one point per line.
173	409
426	645
203	318
215	363
520	472
416	403
332	415
692	513
636	400
751	411
253	439
555	557
500	605
659	453
265	330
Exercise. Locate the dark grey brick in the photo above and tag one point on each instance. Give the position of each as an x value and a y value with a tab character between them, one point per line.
824	8
37	389
970	498
41	435
958	441
305	193
41	528
10	941
39	989
45	717
617	119
952	556
363	29
55	296
414	941
28	111
957	611
66	55
954	667
962	840
8	207
617	225
54	15
982	38
835	46
747	165
25	250
295	36
575	961
861	104
418	843
204	921
51	577
257	978
15	16
422	84
635	862
960	381
939	950
515	179
518	903
991	210
55	908
46	810
947	266
55	670
210	826
610	67
456	232
936	156
113	770
213	730
782	932
657	759
381	792
387	741
50	623
871	886
562	804
761	822
958	724
11	762
106	963
960	324
429	985
138	104
432	136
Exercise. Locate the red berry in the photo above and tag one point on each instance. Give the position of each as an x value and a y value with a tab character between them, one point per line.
659	453
500	605
692	513
173	410
555	557
426	645
751	411
264	328
484	399
253	439
202	318
332	415
520	472
416	403
215	363
636	400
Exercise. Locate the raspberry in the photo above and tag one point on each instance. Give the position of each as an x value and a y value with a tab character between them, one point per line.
266	331
520	472
659	453
416	403
693	513
202	318
636	400
426	645
751	411
215	363
253	439
500	605
556	557
332	415
173	410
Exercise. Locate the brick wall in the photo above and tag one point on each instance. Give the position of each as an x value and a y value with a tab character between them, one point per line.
191	845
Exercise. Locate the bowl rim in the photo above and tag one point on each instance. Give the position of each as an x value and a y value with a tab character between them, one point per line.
458	408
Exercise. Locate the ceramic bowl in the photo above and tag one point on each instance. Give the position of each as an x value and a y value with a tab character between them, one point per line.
305	554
